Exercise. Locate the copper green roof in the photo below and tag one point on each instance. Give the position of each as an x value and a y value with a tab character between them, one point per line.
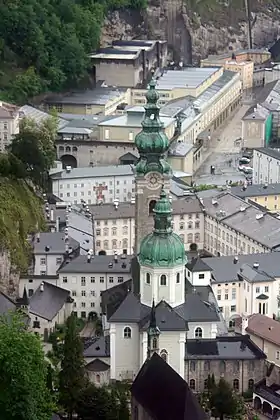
152	142
162	247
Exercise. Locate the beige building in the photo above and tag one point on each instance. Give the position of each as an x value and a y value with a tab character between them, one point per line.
174	84
253	127
128	63
9	124
234	227
266	165
114	225
101	100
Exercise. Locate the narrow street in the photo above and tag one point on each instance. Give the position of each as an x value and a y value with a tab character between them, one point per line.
224	150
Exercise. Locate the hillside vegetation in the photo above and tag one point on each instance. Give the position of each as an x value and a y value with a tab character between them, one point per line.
44	43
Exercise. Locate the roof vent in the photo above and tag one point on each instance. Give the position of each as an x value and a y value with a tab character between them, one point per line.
89	257
42	287
259	216
68	169
242	208
256	265
265	186
123	265
235	260
38	237
47	248
110	265
115	258
214	202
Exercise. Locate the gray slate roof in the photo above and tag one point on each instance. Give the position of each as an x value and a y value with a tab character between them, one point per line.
6	304
254	275
100	347
196	310
224	269
167	319
127	210
96	171
274	153
130	310
224	348
255	190
47	303
98	264
56	242
197	264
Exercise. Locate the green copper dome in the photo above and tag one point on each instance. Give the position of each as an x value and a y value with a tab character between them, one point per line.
162	248
152	142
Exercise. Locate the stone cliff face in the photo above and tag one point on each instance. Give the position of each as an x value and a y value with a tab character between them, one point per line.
194	35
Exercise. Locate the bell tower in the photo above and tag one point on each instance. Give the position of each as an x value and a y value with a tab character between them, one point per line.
152	171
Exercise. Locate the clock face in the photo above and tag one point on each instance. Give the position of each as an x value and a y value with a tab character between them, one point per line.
154	180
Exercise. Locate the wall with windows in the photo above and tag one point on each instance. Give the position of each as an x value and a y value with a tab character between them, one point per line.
272	350
220	239
228	296
266	167
259	297
73	190
200	330
8	127
86	289
47	264
127	353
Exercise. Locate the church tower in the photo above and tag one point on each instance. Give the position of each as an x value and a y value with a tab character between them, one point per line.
153	333
152	170
162	259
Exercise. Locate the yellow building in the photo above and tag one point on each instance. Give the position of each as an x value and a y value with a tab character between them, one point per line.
174	84
102	100
266	195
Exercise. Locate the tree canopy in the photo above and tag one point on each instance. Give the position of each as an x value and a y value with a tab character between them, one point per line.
44	44
23	391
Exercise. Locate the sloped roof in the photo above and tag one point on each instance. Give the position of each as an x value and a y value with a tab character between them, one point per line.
254	275
6	304
97	366
164	394
99	347
166	317
47	303
264	327
194	309
55	241
130	310
197	264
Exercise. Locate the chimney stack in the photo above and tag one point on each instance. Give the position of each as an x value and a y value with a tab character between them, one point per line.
38	237
42	287
88	257
256	265
116	258
235	260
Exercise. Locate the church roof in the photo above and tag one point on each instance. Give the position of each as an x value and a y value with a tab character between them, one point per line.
197	264
164	394
130	310
166	317
97	366
99	347
194	309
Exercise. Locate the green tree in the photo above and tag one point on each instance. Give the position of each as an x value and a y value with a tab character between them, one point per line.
224	402
23	391
123	407
72	375
34	146
26	85
98	404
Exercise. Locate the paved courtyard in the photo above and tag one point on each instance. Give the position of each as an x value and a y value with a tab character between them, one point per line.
224	154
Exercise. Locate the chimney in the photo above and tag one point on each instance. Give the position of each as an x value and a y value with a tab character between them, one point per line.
42	287
88	257
244	325
256	265
235	260
38	237
52	215
116	258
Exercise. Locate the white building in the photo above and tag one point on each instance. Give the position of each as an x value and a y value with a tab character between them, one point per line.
94	185
9	124
114	225
266	165
49	251
85	277
234	227
244	284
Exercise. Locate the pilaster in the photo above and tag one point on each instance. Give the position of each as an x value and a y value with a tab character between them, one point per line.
113	351
182	344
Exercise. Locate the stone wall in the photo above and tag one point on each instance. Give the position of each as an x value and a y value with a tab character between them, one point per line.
9	277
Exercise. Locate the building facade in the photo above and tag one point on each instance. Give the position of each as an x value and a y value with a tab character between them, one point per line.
266	195
266	165
9	124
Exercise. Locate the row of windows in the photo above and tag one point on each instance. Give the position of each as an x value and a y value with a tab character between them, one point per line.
97	184
190	225
92	280
232	308
266	288
114	231
226	294
222	366
43	261
163	279
114	244
235	384
84	305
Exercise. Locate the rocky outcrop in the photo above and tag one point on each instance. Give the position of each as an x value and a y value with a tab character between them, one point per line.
193	35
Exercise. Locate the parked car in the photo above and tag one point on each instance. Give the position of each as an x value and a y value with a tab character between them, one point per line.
244	160
247	170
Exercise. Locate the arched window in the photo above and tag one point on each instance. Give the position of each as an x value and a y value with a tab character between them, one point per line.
97	377
148	278
178	278
251	384
192	366
105	231
163	280
127	332
125	243
125	230
190	238
106	244
68	149
231	323
114	231
114	243
190	225
155	343
197	237
192	384
182	226
61	148
152	204
207	365
163	355
236	385
222	366
74	149
198	332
